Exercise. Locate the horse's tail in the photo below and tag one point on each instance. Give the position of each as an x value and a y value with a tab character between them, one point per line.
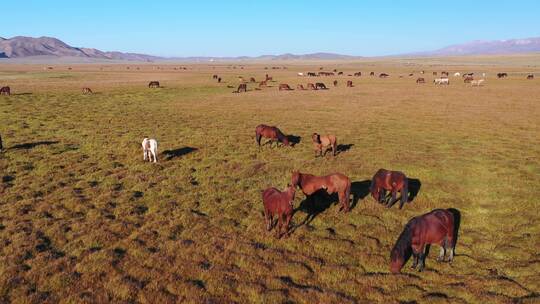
404	193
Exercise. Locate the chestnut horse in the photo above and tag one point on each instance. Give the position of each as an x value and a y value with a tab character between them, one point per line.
333	183
153	84
280	204
284	86
241	88
349	84
436	227
273	133
530	76
393	181
87	91
324	142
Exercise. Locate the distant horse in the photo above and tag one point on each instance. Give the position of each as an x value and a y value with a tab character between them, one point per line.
444	73
441	81
468	79
436	227
393	181
241	88
311	86
349	84
153	84
477	83
420	80
272	133
320	86
502	75
213	76
358	74
457	74
530	76
340	73
333	183
280	204
251	79
262	84
324	142
372	74
434	73
311	74
87	91
149	149
5	91
300	87
268	78
335	83
383	75
219	80
241	79
300	74
284	86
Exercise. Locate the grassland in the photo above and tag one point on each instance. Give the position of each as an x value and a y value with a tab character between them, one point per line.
84	220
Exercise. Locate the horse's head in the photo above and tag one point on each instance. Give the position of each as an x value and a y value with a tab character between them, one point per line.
396	262
316	138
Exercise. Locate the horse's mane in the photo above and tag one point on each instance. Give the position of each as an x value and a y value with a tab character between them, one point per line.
403	242
280	134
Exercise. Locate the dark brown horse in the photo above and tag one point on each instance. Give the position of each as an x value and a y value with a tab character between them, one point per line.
383	75
213	76
320	86
86	91
280	204
335	83
251	79
219	80
241	88
436	227
468	79
272	133
530	76
358	74
153	84
300	87
349	84
5	91
372	74
324	142
420	80
333	183
502	75
284	86
393	181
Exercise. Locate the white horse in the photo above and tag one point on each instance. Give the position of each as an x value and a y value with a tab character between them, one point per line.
457	74
477	83
300	74
149	146
441	81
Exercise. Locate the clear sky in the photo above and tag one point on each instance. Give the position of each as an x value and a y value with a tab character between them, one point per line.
233	28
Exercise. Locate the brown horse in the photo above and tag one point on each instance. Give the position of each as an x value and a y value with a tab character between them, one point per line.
530	76
5	91
262	84
383	75
358	74
153	84
271	132
251	79
335	83
393	181
284	86
349	84
320	86
87	91
333	183
420	80
241	88
468	79
502	75
213	76
436	227
324	142
280	204
372	74
219	80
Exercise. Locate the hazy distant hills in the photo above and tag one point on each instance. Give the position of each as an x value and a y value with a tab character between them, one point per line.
494	47
47	47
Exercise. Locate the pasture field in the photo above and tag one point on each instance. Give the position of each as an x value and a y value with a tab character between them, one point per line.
84	220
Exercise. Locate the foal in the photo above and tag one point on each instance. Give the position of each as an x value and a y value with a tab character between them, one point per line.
149	149
280	204
324	142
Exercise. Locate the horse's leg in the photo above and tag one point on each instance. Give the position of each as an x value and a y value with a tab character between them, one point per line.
450	244
279	224
155	155
268	220
287	224
394	198
422	258
442	253
415	260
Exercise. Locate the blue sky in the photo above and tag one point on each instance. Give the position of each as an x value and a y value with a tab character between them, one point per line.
233	28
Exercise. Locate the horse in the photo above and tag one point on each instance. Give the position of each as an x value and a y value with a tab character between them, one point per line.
477	83
530	76
252	79
153	84
300	74
349	84
262	84
340	73
444	73
213	76
457	74
324	142
320	86
502	75
383	75
311	86
332	183
436	227
393	181
271	132
5	91
434	73
335	83
468	79
149	146
281	204
311	74
87	91
300	87
358	74
284	86
219	80
372	74
441	81
241	88
420	80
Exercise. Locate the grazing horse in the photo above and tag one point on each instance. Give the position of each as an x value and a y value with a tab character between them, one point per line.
335	83
320	86
219	80
502	75
436	227
300	87
324	142
5	91
87	91
252	79
271	132
441	81
241	88
333	183
311	74
311	86
383	75
300	74
153	84
530	76
420	80
468	79
213	76
349	84
281	204
393	181
262	84
358	74
149	146
477	83
372	74
284	86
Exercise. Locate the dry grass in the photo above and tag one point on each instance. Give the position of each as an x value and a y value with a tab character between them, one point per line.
83	219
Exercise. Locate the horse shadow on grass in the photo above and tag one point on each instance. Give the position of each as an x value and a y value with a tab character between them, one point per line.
28	146
343	148
294	140
170	154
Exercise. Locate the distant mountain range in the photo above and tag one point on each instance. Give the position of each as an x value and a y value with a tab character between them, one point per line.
47	47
